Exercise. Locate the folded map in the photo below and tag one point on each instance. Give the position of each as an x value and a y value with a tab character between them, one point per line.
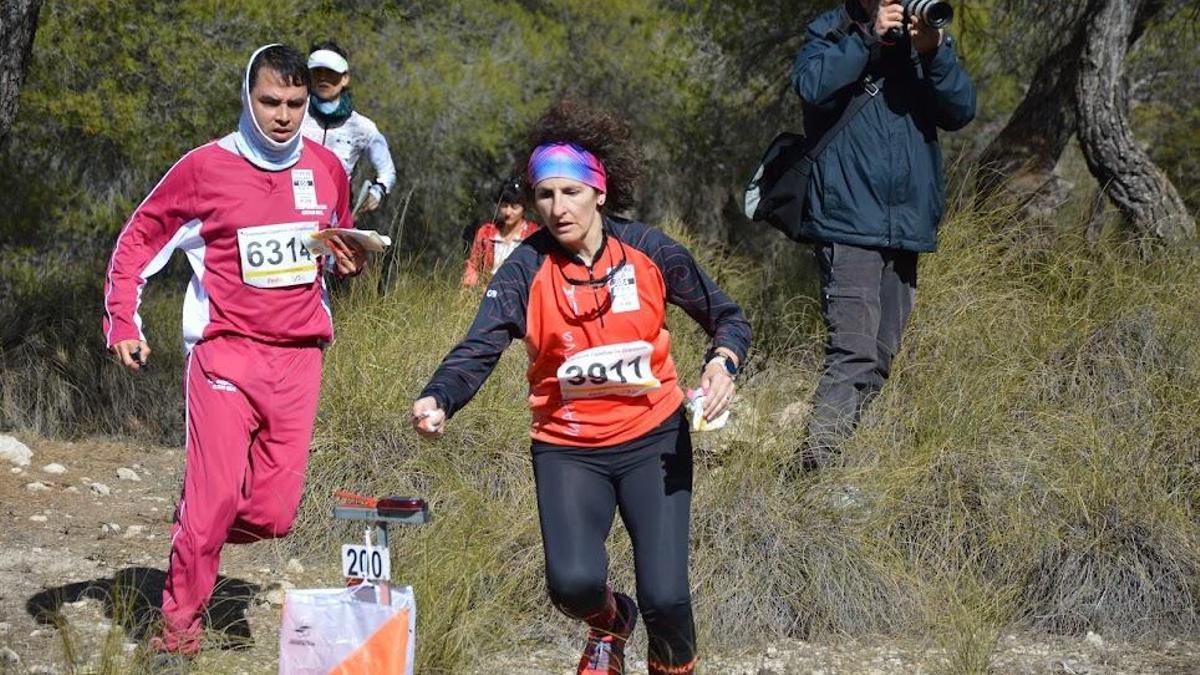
369	240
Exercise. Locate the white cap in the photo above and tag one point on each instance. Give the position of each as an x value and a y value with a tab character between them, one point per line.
327	58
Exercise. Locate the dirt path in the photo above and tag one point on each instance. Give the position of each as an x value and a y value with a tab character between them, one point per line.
83	553
81	568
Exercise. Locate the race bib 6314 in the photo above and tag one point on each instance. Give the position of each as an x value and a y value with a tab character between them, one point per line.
274	255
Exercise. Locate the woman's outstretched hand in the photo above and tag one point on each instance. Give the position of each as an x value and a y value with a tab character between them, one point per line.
428	419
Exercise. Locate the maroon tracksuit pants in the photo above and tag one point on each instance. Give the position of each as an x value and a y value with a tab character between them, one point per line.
250	413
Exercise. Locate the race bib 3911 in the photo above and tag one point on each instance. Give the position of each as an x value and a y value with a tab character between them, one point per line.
621	369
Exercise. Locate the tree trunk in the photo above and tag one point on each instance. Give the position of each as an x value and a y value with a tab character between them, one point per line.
18	22
1142	192
1023	156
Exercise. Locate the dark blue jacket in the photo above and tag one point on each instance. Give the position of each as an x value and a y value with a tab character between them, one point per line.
879	183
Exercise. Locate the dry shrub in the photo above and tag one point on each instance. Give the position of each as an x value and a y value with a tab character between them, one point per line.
1032	464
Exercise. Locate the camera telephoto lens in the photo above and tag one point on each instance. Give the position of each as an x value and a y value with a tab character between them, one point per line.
934	13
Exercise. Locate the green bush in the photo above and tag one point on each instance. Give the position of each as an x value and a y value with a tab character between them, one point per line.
1033	463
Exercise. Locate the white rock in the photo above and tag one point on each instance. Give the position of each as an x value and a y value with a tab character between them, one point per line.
5	627
100	489
276	591
793	414
55	469
37	487
14	451
9	658
1094	640
38	518
127	474
73	490
16	469
133	531
294	567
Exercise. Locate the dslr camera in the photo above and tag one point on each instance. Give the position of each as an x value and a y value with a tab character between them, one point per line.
933	13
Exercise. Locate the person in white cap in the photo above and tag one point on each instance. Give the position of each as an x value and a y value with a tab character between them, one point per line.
333	122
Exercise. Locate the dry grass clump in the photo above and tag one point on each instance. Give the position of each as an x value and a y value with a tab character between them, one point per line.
1029	466
1032	464
56	378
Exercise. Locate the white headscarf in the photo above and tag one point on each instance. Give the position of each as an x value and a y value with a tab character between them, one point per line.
253	143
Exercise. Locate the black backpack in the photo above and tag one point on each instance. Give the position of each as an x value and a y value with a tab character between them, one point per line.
776	193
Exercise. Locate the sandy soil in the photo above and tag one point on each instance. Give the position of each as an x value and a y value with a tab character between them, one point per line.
84	551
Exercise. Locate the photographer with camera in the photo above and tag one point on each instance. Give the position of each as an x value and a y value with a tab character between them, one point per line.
877	191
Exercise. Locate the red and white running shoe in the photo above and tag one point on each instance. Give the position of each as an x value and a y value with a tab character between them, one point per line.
604	652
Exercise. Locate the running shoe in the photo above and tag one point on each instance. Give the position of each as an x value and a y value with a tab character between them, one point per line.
686	669
160	660
604	652
166	663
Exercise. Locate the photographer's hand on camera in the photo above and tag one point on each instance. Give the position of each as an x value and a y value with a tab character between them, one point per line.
890	16
925	38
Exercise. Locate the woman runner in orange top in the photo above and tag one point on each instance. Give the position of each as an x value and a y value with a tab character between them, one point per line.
588	295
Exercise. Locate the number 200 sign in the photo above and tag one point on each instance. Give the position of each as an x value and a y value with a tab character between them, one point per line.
366	562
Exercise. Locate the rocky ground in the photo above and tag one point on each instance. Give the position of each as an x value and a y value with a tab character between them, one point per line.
85	536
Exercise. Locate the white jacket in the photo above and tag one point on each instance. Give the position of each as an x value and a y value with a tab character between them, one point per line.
349	139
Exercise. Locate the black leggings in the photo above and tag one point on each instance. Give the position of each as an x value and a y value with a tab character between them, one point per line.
650	480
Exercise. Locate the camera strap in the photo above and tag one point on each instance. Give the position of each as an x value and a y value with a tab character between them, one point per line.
868	88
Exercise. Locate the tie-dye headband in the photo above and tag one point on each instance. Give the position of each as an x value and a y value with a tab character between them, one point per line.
567	160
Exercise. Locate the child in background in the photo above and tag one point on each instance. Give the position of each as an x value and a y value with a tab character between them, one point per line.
495	240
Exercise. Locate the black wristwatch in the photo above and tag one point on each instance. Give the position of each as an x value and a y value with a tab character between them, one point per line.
730	366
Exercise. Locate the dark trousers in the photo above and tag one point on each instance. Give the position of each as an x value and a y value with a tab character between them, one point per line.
867	295
650	480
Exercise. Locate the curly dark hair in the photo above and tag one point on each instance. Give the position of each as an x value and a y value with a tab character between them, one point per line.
601	133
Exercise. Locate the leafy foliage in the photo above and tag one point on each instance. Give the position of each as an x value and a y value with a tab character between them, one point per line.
1032	464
